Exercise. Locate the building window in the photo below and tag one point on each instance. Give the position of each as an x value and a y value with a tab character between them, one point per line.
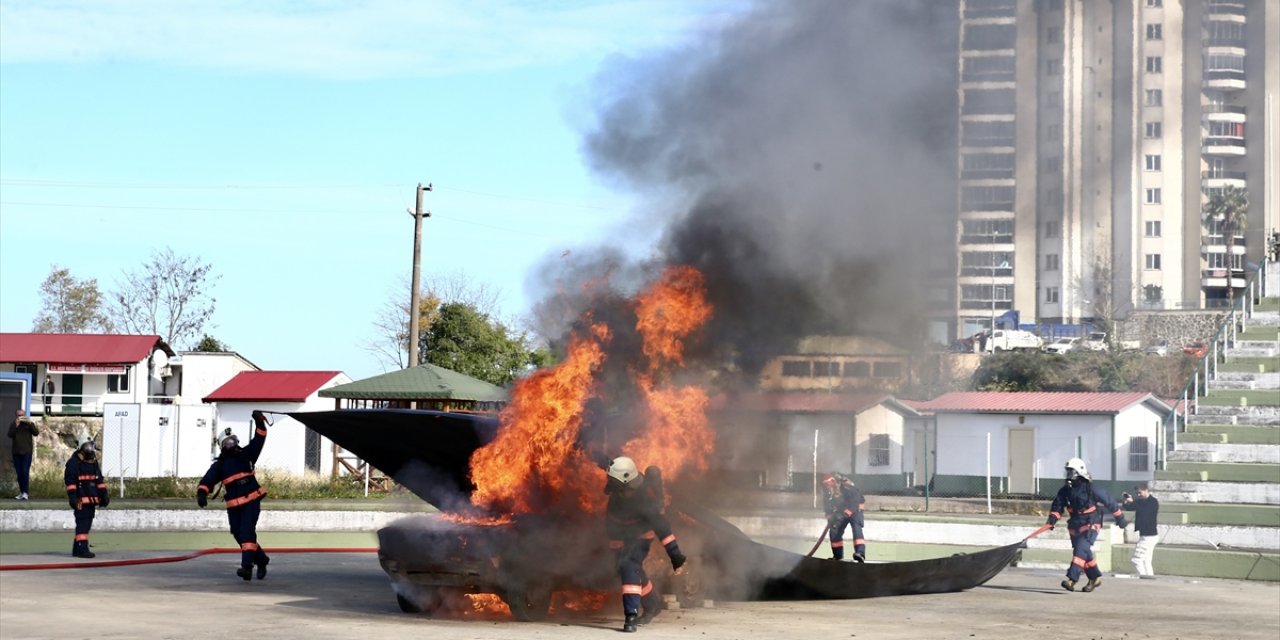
1155	64
986	198
1051	294
1155	32
1153	262
1052	164
1139	454
1154	130
1154	3
1052	229
857	369
824	369
1053	66
1153	162
800	368
1053	35
118	383
987	134
878	450
1152	229
1152	293
1155	97
1051	262
886	369
1153	196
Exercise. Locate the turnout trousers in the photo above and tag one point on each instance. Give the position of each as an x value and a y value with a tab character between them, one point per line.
84	522
244	528
637	590
837	537
1082	555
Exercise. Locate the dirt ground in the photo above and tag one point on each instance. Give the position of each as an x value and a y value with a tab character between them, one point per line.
315	596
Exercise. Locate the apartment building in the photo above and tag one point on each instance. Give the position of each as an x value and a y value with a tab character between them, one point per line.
1092	133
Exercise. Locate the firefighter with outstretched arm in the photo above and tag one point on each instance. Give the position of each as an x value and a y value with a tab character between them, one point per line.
633	520
1082	500
234	469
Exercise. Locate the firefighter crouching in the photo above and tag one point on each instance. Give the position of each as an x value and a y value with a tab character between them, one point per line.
844	506
234	469
86	490
1081	499
633	520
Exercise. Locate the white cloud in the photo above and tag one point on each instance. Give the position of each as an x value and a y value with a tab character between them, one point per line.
327	38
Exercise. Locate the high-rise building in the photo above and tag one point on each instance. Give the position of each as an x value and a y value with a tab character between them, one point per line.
1092	134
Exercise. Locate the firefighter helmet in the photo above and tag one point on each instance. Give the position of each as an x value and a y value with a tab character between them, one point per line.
227	439
1075	469
624	470
83	439
830	480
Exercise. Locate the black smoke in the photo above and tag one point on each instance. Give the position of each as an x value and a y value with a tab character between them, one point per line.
803	157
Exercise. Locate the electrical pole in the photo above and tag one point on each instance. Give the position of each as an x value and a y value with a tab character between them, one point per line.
415	296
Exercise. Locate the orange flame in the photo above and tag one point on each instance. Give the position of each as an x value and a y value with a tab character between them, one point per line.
533	460
668	312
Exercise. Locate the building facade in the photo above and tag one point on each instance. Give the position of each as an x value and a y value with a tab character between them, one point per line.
1092	134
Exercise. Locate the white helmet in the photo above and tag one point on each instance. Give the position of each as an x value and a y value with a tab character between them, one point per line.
624	470
1075	468
82	439
227	439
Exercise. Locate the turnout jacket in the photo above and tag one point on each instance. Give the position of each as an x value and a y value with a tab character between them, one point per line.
1081	499
846	503
85	484
234	469
636	516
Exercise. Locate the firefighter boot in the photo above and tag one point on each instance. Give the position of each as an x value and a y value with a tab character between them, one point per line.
860	558
262	568
629	624
1069	585
652	607
245	572
1093	583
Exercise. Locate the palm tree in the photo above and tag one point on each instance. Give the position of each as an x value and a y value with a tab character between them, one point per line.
1230	207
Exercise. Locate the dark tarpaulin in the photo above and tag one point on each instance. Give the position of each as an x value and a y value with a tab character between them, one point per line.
428	452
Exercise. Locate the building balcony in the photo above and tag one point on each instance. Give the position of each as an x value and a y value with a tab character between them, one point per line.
1223	113
1220	179
1223	8
1217	243
1224	80
1217	279
986	238
1222	146
987	174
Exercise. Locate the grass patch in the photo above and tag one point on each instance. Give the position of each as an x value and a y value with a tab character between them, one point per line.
1270	365
1259	397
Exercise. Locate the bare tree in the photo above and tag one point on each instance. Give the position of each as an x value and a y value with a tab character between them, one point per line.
169	297
70	305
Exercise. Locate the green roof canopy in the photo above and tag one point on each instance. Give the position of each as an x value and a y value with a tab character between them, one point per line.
423	382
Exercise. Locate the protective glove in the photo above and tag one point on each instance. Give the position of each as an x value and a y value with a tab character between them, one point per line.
1051	522
202	499
73	501
104	499
677	560
258	417
1122	523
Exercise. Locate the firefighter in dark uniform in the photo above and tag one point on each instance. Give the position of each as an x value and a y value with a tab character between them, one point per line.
234	469
844	506
633	520
86	490
1081	499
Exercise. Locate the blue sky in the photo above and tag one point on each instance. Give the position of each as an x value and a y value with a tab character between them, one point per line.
281	142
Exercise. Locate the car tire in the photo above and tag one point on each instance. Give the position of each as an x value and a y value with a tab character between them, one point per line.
407	605
528	603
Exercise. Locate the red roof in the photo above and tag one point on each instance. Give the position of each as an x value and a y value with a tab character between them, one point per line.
800	402
78	348
1036	402
271	386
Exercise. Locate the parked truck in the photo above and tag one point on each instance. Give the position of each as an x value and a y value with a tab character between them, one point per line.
1012	339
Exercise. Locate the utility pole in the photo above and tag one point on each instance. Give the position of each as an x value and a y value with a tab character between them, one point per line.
415	296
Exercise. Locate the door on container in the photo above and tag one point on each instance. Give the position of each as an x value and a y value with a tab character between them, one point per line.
1022	461
922	468
72	387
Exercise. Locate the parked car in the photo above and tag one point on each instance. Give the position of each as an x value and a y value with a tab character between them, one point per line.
1062	345
1096	341
1196	349
1011	339
1160	348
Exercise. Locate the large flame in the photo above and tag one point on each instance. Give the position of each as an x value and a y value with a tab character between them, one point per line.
535	460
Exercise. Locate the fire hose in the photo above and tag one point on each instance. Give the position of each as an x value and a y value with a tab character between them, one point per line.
822	536
164	559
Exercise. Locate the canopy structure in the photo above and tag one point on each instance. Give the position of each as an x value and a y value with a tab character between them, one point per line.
428	452
425	386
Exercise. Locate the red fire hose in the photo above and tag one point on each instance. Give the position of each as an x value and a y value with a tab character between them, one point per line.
98	564
1043	528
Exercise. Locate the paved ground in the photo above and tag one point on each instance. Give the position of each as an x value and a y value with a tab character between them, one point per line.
315	596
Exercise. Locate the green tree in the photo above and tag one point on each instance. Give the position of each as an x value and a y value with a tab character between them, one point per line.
169	297
465	340
1013	371
210	344
1230	208
70	305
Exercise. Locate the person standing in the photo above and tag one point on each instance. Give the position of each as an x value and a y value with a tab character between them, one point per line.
844	506
86	490
23	431
1081	499
46	394
234	469
1146	510
633	519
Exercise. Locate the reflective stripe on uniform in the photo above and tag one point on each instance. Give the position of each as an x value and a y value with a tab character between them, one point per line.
633	589
202	488
1091	509
1078	561
91	476
669	539
859	541
81	537
236	476
260	431
254	495
837	544
71	487
248	546
648	535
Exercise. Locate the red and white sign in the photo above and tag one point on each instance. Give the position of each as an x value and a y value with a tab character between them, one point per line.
118	369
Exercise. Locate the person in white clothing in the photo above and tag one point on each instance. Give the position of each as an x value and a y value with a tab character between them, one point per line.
1146	511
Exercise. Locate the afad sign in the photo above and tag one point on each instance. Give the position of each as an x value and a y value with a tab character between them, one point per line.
87	368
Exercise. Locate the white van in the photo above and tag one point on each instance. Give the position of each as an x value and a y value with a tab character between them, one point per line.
1010	339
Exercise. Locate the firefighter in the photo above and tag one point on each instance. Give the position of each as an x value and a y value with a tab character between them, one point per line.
633	519
234	469
1081	499
86	489
843	506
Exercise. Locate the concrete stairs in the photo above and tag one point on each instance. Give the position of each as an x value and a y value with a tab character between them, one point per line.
1220	490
